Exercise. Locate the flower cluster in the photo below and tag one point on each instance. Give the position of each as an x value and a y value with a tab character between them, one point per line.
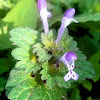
68	58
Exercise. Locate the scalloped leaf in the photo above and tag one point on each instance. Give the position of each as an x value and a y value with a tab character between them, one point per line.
21	54
23	37
21	86
54	75
83	67
29	66
17	76
41	52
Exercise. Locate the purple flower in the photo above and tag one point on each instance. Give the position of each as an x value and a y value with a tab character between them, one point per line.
66	20
44	14
69	60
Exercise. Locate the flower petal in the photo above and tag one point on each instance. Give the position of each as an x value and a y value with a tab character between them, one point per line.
69	13
72	65
67	77
70	56
65	61
74	75
49	14
42	4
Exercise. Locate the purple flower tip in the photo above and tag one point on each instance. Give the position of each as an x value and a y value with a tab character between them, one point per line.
69	56
69	13
42	4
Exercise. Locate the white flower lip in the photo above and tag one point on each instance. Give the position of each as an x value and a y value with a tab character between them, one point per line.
69	60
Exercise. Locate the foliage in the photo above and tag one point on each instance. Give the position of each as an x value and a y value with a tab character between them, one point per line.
35	75
32	54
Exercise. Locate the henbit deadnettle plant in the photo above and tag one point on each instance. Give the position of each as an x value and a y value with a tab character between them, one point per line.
35	76
67	58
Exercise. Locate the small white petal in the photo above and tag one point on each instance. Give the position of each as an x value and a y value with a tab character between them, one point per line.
74	75
72	65
67	77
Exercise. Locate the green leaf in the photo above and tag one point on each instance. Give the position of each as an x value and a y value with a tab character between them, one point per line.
95	34
20	89
90	44
20	15
4	36
21	54
2	84
95	59
44	93
54	75
21	86
17	76
48	40
23	14
29	66
84	69
90	98
41	52
23	37
88	17
4	67
87	84
75	95
7	4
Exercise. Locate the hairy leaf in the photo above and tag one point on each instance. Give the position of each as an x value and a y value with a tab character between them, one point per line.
41	52
23	37
22	86
54	75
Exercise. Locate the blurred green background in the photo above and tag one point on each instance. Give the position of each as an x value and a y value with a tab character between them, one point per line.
14	13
